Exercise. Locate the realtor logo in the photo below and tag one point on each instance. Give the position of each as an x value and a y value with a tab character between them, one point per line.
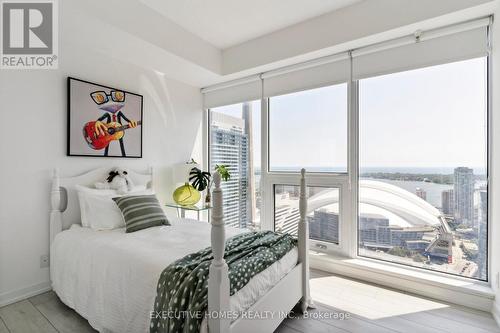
29	34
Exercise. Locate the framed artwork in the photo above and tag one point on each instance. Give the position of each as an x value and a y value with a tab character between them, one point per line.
103	121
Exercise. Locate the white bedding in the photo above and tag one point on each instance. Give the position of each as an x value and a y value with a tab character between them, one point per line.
109	277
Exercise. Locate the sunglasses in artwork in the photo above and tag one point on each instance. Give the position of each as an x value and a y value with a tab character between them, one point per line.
101	97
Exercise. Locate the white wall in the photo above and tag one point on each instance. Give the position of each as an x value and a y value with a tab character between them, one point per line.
132	32
363	23
33	142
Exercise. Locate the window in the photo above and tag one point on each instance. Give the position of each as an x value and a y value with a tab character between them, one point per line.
323	211
308	129
394	140
423	196
235	142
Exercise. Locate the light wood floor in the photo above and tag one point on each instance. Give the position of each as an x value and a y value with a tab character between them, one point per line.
365	308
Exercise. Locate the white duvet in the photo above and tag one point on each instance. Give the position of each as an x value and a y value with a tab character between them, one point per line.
109	277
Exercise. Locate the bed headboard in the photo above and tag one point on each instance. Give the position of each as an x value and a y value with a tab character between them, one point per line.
65	209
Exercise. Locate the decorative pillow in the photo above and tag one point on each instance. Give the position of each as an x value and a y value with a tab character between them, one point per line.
141	212
102	213
98	210
87	211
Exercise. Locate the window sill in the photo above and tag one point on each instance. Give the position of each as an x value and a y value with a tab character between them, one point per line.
474	294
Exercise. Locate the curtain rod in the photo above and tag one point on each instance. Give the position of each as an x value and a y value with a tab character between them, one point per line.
417	36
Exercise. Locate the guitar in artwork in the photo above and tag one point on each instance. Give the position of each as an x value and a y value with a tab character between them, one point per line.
115	132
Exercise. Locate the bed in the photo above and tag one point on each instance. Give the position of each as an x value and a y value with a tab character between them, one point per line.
109	277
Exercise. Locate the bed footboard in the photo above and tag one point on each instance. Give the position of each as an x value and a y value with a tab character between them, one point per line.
297	282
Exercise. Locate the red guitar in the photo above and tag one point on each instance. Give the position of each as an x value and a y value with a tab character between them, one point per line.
115	132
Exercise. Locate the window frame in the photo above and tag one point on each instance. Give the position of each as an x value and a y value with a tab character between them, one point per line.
488	140
348	183
339	180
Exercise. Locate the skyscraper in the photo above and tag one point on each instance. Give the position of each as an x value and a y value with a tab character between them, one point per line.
448	202
463	181
482	231
229	146
421	193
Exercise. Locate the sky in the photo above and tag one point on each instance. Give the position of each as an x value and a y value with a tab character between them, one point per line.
433	117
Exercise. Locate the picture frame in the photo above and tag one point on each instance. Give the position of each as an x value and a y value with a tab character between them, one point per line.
103	121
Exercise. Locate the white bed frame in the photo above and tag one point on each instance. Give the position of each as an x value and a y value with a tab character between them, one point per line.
293	288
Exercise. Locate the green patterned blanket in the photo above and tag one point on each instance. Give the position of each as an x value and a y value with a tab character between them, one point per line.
182	291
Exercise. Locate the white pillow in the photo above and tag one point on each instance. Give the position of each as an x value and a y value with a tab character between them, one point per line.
99	211
102	212
83	192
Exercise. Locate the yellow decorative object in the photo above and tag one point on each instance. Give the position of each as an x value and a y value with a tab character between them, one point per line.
186	195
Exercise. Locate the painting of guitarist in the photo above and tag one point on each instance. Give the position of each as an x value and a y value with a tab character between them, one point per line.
110	121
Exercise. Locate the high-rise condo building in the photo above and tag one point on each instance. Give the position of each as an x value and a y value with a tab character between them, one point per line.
463	181
448	202
229	146
482	231
324	225
421	193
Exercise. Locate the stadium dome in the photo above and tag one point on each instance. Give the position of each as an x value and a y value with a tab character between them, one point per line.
401	207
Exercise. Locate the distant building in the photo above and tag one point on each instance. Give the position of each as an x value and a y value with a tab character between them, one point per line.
417	245
448	202
375	231
324	225
421	193
399	235
470	247
229	146
286	219
482	234
463	180
441	247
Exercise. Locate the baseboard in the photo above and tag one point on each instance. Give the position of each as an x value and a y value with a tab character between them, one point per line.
496	312
24	293
474	298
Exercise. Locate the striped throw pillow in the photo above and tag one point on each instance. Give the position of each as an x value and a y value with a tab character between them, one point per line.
141	212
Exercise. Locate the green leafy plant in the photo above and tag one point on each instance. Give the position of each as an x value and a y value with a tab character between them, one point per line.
223	171
200	179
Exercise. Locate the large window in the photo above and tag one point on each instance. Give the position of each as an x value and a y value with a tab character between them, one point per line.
394	139
235	143
308	129
423	153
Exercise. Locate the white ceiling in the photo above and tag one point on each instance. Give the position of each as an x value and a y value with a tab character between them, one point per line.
224	23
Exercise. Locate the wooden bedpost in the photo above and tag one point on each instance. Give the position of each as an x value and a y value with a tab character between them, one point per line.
218	279
306	300
55	202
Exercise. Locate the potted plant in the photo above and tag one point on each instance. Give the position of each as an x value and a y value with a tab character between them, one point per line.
202	180
199	179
